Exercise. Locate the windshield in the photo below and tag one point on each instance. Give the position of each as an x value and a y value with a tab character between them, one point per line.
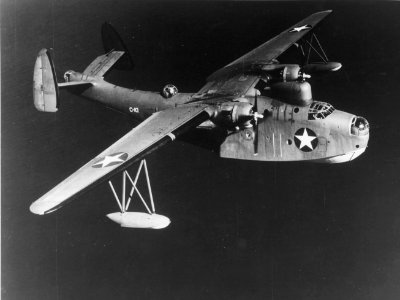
319	110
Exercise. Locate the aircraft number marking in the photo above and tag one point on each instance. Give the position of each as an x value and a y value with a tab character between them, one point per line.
134	109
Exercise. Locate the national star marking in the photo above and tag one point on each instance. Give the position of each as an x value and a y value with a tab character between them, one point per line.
305	140
109	159
301	28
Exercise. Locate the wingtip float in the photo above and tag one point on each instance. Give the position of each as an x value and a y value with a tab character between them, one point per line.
139	220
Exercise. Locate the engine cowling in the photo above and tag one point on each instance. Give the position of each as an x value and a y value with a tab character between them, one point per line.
283	73
233	114
293	92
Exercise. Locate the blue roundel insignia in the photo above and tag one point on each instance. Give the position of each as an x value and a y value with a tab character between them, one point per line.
305	139
111	160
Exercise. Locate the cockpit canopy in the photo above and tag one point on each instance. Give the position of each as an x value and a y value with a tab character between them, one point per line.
319	110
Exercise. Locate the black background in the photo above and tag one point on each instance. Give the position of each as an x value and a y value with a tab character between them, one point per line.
240	230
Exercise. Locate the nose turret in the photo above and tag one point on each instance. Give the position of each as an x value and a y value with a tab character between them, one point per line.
359	126
349	136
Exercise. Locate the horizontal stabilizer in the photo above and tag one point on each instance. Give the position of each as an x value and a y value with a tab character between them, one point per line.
73	83
45	88
103	63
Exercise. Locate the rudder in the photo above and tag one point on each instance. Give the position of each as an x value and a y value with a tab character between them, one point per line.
112	41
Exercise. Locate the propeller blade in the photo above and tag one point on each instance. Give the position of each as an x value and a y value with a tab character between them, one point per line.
255	126
256	116
256	140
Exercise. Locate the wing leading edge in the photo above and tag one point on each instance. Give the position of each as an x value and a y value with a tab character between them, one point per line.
152	133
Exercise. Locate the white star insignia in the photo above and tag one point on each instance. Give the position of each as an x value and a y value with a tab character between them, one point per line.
306	140
301	28
110	160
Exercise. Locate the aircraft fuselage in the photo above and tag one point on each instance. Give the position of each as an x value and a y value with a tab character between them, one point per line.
139	104
316	132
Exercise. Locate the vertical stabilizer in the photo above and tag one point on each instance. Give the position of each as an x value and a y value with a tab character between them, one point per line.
45	87
112	42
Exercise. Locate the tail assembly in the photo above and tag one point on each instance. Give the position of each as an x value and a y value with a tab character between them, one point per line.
117	55
45	87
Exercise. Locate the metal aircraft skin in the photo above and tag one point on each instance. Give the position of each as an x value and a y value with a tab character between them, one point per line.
265	110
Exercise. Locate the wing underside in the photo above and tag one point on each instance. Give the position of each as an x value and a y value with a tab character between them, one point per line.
152	133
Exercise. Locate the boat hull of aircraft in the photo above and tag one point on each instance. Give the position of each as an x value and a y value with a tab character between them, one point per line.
288	134
277	132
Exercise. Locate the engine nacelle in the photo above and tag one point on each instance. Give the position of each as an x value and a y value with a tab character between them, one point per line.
233	114
283	73
297	93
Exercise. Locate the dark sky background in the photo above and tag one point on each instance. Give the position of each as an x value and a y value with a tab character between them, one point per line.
240	230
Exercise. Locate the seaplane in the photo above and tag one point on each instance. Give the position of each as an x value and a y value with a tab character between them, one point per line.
261	109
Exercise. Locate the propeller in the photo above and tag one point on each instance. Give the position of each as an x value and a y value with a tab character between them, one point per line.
256	116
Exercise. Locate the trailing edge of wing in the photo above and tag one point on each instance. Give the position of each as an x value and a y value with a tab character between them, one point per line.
152	133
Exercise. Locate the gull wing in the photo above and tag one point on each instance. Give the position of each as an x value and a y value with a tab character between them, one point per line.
240	75
152	133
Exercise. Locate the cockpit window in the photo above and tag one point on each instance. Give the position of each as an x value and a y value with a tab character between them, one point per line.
319	110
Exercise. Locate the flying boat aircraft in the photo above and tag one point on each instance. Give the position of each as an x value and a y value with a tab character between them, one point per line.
262	109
